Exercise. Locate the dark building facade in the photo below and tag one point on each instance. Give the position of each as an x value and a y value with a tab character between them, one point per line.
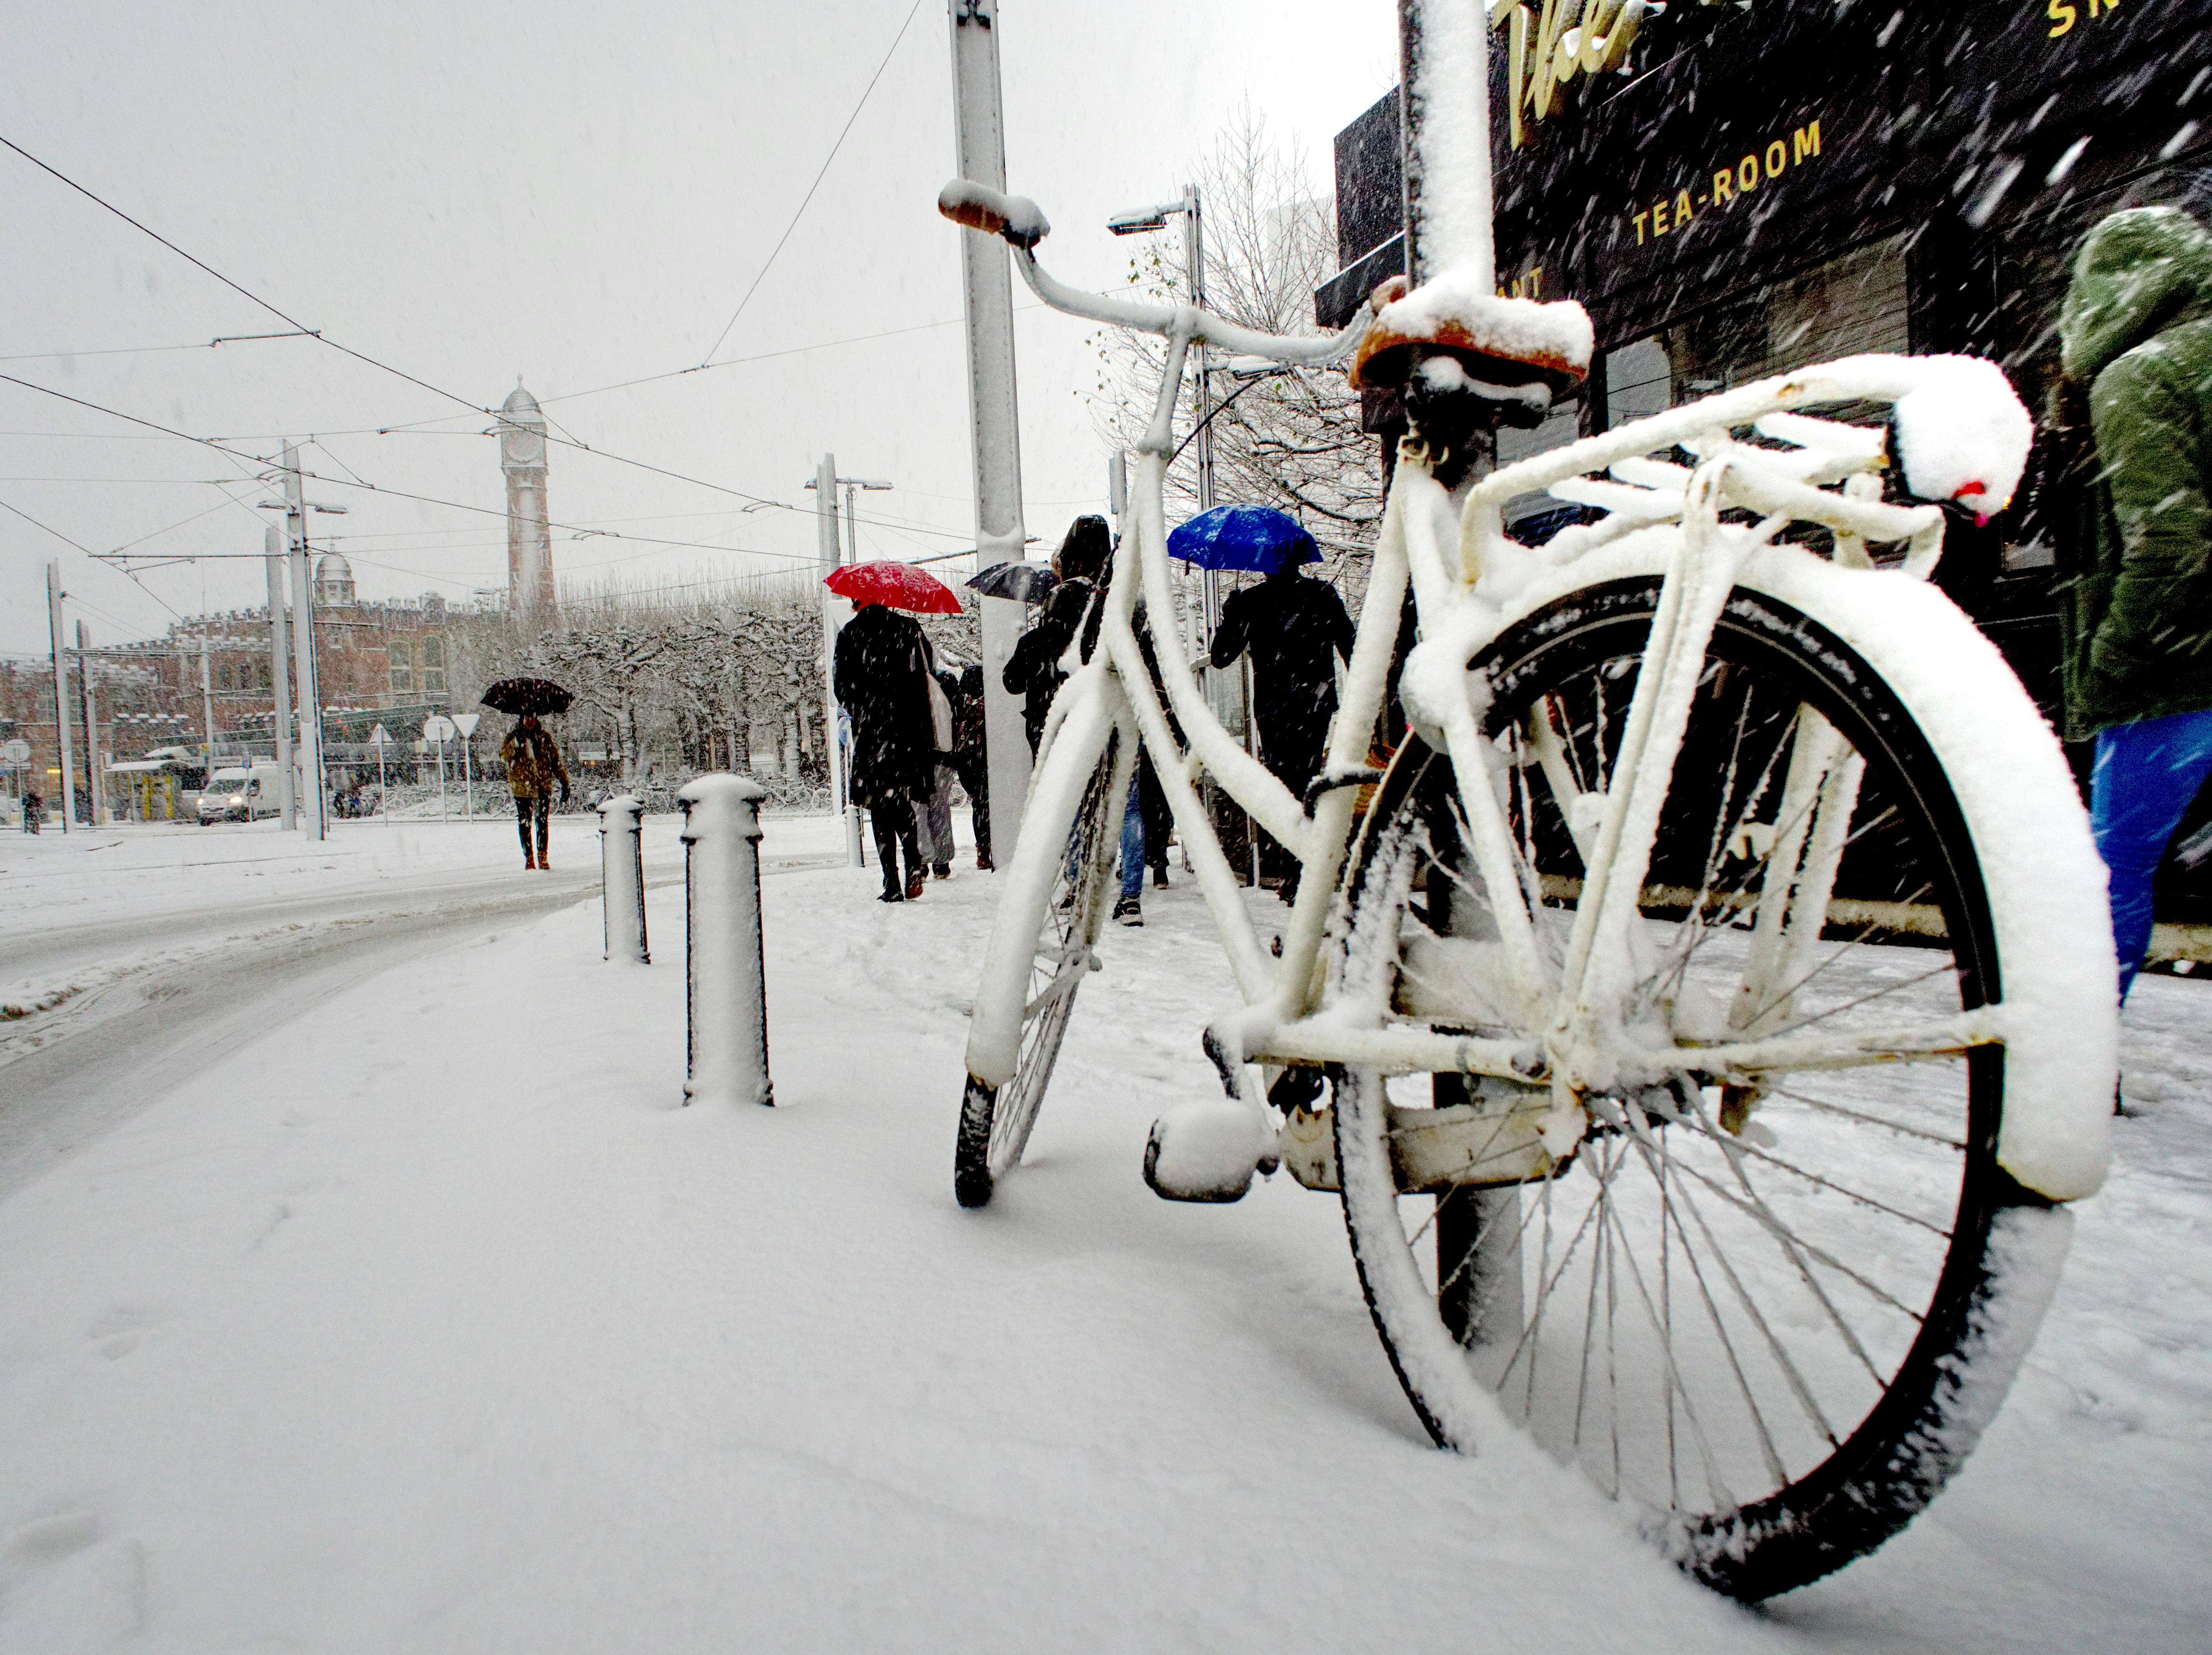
1773	184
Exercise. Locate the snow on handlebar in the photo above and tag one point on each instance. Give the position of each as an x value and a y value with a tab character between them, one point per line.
979	207
1023	224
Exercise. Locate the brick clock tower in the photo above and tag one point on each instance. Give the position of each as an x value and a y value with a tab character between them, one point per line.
529	537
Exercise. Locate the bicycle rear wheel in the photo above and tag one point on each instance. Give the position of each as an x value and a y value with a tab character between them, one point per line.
995	1121
1775	1316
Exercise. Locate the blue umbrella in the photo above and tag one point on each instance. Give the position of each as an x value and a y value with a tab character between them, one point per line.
1257	538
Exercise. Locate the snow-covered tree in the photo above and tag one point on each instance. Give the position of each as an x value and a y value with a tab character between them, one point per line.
1291	440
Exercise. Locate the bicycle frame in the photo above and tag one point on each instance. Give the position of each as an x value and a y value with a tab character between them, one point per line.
1443	547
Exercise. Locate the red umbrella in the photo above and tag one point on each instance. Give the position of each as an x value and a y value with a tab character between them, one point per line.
897	586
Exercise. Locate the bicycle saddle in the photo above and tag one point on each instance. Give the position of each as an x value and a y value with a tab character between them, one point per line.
1499	342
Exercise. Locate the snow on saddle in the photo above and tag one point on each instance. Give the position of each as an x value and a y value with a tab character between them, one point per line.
1499	342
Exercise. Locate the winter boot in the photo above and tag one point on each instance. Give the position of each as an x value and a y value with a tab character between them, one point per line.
529	862
916	883
941	870
1128	912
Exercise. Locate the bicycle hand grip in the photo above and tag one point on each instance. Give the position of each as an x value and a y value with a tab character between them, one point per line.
1017	218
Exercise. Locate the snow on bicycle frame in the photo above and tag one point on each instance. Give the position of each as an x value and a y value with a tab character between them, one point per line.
1443	932
1961	435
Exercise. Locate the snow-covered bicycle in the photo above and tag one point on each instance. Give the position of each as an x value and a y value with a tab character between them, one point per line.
1709	970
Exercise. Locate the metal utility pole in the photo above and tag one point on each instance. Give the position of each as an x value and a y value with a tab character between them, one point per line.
95	805
1227	691
1193	252
826	483
316	820
1224	695
207	697
280	677
1446	133
980	141
825	522
60	692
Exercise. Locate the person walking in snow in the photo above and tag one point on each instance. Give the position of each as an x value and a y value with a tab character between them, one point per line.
968	761
34	810
882	679
2135	351
1293	627
1033	671
933	813
533	764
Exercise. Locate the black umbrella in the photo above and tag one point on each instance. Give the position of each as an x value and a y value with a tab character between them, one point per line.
521	695
1032	582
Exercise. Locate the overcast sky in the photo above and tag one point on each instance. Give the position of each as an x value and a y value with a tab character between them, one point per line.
578	194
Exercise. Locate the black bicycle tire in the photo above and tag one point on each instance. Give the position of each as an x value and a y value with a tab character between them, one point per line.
1931	1412
974	1178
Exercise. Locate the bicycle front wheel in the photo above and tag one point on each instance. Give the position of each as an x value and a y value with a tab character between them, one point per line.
995	1121
1775	1316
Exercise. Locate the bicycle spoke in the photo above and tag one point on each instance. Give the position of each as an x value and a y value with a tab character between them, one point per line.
1870	1120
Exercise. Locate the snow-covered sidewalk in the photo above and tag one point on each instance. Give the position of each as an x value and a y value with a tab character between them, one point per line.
477	1341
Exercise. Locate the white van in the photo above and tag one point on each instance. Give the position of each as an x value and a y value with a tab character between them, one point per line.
240	795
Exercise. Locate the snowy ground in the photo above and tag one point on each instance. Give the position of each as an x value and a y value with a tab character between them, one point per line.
477	1341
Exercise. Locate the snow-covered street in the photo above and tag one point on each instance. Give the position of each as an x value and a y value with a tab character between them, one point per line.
474	1339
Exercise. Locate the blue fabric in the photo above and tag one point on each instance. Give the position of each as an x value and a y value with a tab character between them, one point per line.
1133	844
2146	777
1254	537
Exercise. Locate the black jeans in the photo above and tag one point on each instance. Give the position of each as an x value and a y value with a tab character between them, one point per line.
976	782
893	825
527	811
1293	753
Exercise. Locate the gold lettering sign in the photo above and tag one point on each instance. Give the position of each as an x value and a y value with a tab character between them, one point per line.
1545	49
2063	13
1730	183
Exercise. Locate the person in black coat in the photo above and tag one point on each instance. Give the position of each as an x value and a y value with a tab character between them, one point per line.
879	681
968	759
1032	671
1292	626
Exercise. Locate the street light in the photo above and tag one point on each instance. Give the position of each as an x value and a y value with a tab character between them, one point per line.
1228	696
852	486
1138	220
826	481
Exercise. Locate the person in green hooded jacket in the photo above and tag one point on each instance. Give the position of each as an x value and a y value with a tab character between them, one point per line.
2136	343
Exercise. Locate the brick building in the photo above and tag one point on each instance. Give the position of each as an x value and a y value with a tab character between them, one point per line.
383	662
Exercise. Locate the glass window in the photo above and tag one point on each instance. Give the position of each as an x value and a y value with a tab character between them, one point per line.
1852	304
401	654
434	666
1529	517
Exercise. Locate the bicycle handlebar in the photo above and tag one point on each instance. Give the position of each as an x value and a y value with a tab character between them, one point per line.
1022	224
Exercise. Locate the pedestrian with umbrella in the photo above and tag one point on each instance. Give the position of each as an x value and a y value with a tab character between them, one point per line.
882	677
1033	671
532	759
1292	627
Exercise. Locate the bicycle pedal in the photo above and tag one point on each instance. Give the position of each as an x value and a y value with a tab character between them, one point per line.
1208	1150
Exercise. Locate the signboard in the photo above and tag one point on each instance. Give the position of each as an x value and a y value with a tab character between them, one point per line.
17	752
1746	141
1732	145
439	728
467	723
379	736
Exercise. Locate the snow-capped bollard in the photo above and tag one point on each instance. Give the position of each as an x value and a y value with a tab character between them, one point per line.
621	878
724	970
